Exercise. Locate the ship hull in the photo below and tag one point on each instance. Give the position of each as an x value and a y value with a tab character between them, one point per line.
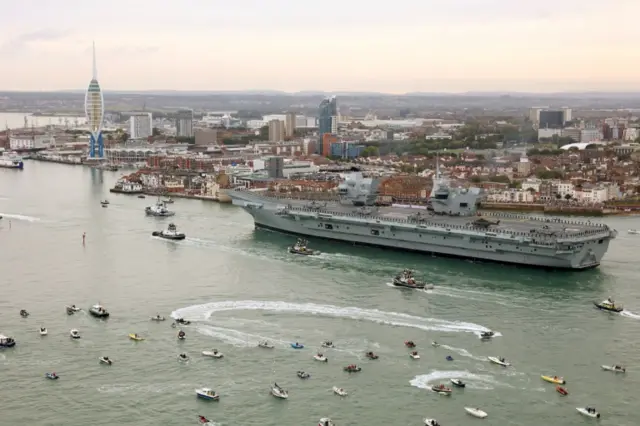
19	165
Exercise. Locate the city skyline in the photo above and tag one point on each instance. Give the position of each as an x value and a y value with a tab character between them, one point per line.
429	46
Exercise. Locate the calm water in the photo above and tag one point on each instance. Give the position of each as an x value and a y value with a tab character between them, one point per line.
15	120
240	286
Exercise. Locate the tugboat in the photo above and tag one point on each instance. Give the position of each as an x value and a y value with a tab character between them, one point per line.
6	342
407	280
158	210
300	247
608	305
98	311
171	233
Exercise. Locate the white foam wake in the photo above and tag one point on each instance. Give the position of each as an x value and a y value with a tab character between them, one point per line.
204	312
629	315
473	381
20	217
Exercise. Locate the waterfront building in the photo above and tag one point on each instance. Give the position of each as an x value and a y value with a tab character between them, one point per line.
94	110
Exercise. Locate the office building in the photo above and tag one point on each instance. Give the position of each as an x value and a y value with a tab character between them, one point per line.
140	125
275	167
290	124
551	119
328	116
184	123
276	131
94	110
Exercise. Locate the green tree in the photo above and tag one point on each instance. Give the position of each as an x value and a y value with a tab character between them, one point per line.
370	151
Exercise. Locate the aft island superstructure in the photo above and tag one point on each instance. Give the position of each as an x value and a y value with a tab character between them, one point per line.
451	226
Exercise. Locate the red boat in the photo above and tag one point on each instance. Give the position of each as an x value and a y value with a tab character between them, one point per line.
409	344
562	391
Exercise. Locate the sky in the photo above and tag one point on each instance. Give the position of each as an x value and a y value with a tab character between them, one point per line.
327	45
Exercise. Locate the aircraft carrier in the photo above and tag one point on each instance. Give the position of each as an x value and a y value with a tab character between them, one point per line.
450	226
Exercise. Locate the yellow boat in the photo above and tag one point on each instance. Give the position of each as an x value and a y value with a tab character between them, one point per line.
554	379
135	337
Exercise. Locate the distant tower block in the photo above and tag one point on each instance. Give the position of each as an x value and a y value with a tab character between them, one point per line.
94	110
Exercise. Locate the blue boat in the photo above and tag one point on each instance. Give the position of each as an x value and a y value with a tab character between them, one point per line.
297	345
449	358
52	376
6	342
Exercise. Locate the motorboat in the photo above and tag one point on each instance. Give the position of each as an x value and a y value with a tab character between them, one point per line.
104	202
449	358
75	334
303	374
213	354
371	355
486	335
352	369
24	313
409	344
265	345
633	231
208	394
6	342
562	391
157	318
435	344
98	311
339	391
183	357
589	412
105	360
326	421
72	309
52	376
614	368
407	280
182	335
297	345
328	344
300	247
441	389
168	201
159	209
171	233
414	355
476	412
278	392
182	321
431	422
608	305
320	357
136	337
43	331
205	421
141	196
499	361
554	379
458	383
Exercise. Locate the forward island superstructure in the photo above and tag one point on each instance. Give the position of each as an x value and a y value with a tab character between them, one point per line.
450	225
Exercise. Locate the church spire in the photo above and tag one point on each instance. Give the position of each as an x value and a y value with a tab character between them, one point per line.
95	67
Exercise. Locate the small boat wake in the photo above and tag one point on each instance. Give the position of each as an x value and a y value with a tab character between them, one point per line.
238	338
629	315
473	381
20	217
462	352
205	311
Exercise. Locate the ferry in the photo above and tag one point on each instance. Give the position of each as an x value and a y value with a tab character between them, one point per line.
11	160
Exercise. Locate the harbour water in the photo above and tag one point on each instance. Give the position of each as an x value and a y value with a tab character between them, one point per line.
16	120
240	286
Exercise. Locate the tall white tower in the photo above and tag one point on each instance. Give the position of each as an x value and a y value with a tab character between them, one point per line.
94	110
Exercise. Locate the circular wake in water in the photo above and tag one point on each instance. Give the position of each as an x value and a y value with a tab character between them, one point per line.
205	311
473	381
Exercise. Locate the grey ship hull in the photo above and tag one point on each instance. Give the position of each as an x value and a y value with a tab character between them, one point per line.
449	237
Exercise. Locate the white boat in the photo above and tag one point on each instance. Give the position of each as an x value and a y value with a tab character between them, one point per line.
171	233
213	354
326	421
75	334
265	345
157	318
498	361
72	309
11	160
339	391
431	422
278	392
43	331
614	368
183	357
633	231
435	344
303	375
159	209
208	394
585	412
476	412
429	286
414	355
320	357
105	360
98	311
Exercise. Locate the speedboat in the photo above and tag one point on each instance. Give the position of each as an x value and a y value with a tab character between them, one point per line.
213	354
159	209
182	321
265	345
476	412
75	334
352	369
589	412
326	421
320	357
278	392
441	389
459	383
407	280
183	357
553	379
182	335
52	376
449	358
561	390
328	344
487	335
104	202
608	305
105	360
339	391
24	313
499	361
6	342
205	421
633	231
300	247
208	394
168	201
371	355
614	368
409	344
303	374
414	355
136	337
43	331
141	196
72	309
431	422
297	345
171	233
157	318
435	344
98	311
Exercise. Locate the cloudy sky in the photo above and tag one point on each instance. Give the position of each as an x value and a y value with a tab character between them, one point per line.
334	45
